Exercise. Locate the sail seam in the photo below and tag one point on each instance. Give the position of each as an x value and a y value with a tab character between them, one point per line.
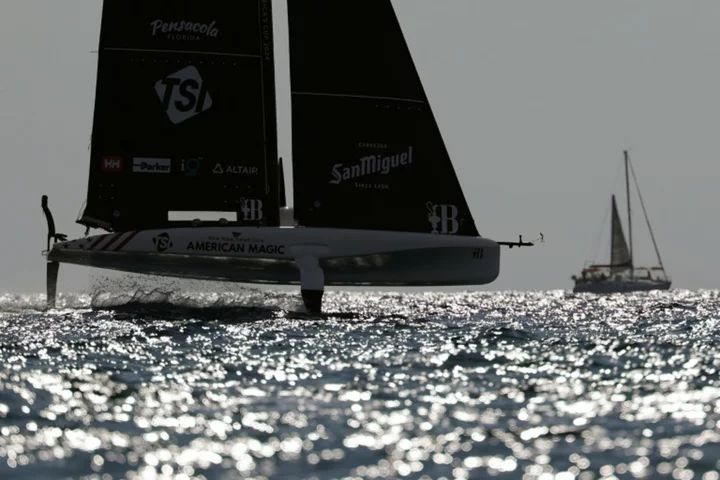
319	94
193	52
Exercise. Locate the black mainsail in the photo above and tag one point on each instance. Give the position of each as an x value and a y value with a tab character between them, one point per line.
367	151
185	114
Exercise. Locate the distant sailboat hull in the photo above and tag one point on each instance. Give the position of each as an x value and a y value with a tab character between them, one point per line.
268	255
623	286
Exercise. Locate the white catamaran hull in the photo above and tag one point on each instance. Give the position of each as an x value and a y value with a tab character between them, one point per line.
271	255
621	286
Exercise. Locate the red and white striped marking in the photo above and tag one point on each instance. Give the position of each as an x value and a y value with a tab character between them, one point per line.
113	242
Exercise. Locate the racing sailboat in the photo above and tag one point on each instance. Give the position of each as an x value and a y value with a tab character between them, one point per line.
185	121
622	274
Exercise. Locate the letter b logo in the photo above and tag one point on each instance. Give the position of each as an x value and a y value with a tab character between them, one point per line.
252	210
443	218
448	219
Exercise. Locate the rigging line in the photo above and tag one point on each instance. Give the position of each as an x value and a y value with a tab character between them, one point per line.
540	239
593	251
647	219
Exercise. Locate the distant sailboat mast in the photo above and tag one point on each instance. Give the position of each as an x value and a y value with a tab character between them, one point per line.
630	238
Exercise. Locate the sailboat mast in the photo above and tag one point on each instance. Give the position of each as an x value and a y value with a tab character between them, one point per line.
627	192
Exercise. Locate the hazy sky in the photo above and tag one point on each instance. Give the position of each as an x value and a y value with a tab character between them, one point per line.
536	101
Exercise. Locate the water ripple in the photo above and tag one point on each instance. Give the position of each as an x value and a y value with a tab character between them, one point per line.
545	385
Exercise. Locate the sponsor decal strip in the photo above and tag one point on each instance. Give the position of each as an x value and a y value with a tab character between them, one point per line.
112	240
97	242
109	240
125	242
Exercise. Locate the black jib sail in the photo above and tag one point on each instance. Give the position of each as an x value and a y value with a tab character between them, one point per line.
184	114
367	151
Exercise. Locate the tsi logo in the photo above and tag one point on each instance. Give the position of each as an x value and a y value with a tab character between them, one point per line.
252	209
151	165
443	218
183	94
162	242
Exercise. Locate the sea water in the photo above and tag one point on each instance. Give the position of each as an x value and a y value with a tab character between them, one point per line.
180	385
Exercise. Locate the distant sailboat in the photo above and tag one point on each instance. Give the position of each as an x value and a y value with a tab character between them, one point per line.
621	274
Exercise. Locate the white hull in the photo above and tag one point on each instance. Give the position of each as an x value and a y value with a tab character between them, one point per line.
272	255
621	286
